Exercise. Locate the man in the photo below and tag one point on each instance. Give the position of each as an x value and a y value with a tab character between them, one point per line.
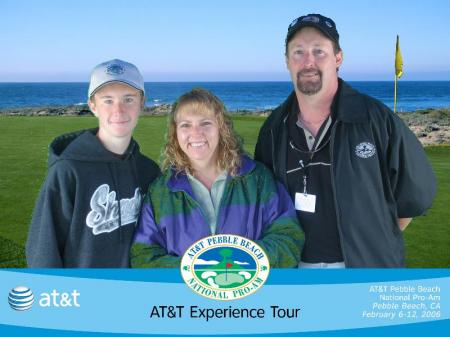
356	173
88	207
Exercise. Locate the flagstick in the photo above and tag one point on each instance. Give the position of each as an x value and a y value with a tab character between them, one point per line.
395	93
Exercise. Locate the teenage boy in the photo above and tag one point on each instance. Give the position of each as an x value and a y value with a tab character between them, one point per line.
89	204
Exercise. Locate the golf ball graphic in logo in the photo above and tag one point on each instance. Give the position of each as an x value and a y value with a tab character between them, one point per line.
225	267
21	298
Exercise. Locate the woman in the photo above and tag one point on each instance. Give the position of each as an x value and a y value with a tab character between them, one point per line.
210	187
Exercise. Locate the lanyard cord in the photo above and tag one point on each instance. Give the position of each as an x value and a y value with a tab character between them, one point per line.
310	152
306	165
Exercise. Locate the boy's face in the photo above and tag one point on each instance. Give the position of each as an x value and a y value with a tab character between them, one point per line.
117	107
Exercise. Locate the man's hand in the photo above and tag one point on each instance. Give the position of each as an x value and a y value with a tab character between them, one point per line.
403	222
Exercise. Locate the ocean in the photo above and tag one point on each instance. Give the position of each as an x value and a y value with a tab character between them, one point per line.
412	95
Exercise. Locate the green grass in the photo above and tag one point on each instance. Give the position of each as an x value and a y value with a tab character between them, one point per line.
427	238
24	143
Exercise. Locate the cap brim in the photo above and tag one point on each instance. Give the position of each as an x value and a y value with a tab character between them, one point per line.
116	81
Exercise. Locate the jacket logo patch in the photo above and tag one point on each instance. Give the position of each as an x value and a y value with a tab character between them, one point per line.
104	214
365	150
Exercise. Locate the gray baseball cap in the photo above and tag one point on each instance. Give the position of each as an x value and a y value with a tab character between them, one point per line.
115	71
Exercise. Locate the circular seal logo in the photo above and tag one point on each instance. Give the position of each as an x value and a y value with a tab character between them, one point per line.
114	69
365	150
225	267
21	298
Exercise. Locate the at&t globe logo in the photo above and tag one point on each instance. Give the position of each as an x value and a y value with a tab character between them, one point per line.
21	298
225	267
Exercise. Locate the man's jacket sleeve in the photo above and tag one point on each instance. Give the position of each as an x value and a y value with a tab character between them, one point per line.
51	220
411	176
149	245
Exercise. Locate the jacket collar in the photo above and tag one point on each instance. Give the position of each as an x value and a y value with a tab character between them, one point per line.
351	105
178	181
247	165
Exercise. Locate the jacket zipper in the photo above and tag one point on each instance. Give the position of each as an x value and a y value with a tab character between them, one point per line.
219	211
205	219
333	187
274	168
273	152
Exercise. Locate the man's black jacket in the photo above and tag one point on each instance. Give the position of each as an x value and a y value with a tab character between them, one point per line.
379	173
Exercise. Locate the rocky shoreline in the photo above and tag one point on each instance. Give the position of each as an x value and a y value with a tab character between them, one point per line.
83	110
431	126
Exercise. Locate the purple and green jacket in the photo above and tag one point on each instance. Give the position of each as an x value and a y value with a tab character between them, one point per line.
253	205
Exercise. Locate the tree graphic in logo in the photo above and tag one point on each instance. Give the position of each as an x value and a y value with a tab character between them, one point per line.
225	268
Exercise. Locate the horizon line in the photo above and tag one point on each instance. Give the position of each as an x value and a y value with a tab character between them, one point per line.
222	81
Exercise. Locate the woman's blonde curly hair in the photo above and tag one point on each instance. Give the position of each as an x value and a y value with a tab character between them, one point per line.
203	102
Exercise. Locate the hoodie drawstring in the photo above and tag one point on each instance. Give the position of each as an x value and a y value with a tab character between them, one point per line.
134	171
116	188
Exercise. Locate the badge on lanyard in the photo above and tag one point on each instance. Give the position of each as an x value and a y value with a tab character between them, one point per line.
303	201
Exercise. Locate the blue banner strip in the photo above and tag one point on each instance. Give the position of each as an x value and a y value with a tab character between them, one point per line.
428	329
277	276
319	302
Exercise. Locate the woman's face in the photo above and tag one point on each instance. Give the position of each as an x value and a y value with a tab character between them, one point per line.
198	136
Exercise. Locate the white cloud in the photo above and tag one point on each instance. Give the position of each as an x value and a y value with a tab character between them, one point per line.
241	263
211	262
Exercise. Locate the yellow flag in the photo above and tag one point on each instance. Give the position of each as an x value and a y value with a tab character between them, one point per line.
398	60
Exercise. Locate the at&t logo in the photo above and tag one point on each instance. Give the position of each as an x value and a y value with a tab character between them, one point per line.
22	298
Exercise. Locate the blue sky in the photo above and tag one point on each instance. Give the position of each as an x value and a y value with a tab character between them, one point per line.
200	40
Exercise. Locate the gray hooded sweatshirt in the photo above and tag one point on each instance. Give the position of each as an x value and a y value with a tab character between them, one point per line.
89	204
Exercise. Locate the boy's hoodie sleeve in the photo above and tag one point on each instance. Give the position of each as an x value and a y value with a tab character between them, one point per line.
51	219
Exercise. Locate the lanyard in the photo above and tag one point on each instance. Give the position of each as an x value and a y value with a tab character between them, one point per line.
315	148
306	172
